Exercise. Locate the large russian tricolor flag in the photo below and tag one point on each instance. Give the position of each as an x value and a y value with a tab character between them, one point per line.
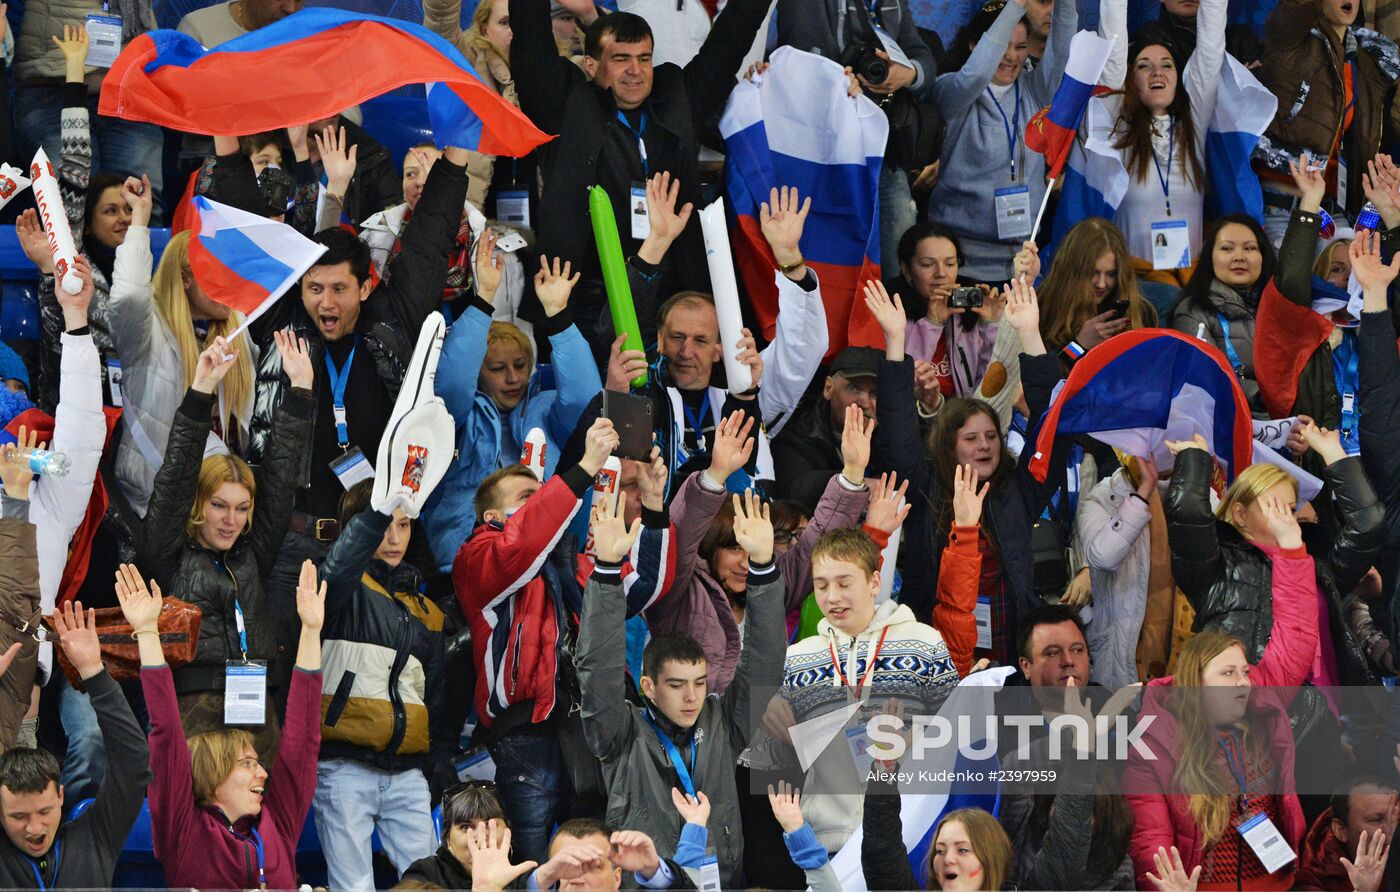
1244	109
1143	387
1053	129
797	127
306	67
244	261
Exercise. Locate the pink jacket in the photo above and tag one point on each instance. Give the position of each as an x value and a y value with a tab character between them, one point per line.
969	351
194	844
1164	819
697	603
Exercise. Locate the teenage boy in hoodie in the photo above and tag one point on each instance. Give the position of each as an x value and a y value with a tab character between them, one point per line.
876	652
681	736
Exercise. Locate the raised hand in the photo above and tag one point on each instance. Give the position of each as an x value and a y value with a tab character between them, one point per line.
1373	275
1381	183
1176	447
1326	443
599	443
75	306
1023	312
926	389
1097	329
553	286
1366	871
786	802
889	313
651	481
733	446
888	507
214	364
337	160
311	598
1171	873
624	366
1148	475
1281	522
612	538
693	809
489	267
296	358
573	860
752	527
855	443
140	606
296	138
634	851
1311	181
77	635
15	473
748	355
781	218
967	497
35	242
74	47
666	222
138	197
489	848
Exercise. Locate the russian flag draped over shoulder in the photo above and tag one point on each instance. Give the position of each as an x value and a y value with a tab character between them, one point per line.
309	66
797	127
1141	388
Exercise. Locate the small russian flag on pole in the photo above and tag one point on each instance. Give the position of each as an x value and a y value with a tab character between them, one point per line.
244	261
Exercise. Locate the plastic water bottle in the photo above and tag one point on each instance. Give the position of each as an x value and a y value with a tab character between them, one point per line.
40	461
1369	218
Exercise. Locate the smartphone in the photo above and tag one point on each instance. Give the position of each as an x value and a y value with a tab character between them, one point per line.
1119	308
632	418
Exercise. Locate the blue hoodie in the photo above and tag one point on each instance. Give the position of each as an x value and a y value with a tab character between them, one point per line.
486	440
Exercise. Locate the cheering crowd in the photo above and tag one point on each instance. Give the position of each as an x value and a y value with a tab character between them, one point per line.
577	641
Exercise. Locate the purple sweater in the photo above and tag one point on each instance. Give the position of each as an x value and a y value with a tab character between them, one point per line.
195	844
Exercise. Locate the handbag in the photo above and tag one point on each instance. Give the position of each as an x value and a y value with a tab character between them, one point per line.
178	625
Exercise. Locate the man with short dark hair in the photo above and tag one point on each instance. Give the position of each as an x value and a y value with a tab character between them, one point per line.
682	736
586	855
38	842
1366	805
620	121
361	337
1052	648
808	451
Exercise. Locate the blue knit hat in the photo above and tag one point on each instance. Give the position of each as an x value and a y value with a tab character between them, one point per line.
12	405
11	366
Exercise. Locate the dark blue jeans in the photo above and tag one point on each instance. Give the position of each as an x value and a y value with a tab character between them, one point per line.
533	785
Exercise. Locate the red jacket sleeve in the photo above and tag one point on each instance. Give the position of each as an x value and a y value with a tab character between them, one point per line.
293	780
488	566
1289	654
959	575
170	795
1285	338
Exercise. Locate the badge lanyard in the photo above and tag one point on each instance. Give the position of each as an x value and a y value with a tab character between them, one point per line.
637	132
242	630
1237	770
57	860
1230	352
1347	357
675	754
870	665
1166	180
258	847
1013	126
339	378
697	420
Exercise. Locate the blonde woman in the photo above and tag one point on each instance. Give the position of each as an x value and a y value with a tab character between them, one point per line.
204	540
160	325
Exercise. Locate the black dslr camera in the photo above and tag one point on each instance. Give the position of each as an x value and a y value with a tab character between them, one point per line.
860	57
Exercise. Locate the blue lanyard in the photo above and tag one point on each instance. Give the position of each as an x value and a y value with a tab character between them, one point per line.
1165	180
1230	353
258	847
57	859
1344	364
697	421
242	630
675	754
1013	126
641	143
1235	763
339	378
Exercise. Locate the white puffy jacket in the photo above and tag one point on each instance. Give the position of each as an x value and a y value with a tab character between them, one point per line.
1111	527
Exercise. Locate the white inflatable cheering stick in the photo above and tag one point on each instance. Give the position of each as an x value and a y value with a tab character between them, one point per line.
607	486
532	455
50	202
715	228
416	449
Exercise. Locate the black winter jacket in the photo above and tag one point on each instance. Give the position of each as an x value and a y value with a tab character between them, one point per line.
211	581
383	644
1229	582
1012	505
683	103
806	454
1378	398
390	318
